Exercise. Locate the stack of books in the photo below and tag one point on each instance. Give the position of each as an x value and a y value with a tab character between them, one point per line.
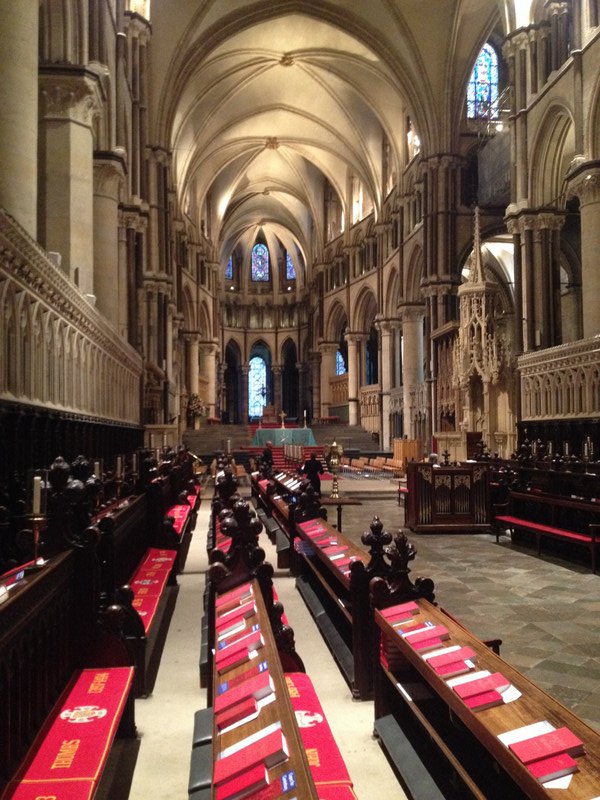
481	690
236	643
242	769
547	752
451	661
239	700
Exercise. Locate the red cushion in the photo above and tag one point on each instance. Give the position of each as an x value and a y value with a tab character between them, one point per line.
71	749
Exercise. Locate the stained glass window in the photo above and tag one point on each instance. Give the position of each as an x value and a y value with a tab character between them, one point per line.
340	365
482	92
290	270
229	270
260	263
257	386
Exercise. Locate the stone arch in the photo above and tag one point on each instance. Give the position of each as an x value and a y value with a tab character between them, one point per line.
551	155
414	276
336	322
392	292
188	309
204	321
365	310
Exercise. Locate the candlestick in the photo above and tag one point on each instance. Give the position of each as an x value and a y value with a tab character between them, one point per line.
134	463
119	468
96	469
37	495
164	439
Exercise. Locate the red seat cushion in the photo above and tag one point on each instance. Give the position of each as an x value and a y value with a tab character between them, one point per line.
68	755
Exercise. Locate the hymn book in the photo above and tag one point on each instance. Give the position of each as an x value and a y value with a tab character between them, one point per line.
256	686
244	784
268	746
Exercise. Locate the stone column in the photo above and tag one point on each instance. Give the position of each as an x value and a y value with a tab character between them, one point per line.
584	182
315	376
385	379
110	286
208	351
353	372
245	370
540	267
277	397
412	360
19	23
68	104
328	351
192	340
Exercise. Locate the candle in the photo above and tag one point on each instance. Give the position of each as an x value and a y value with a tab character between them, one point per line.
119	466
164	439
134	463
97	469
37	495
304	413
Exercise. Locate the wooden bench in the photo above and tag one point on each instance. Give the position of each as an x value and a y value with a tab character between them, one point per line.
67	758
557	518
332	578
437	741
59	650
139	565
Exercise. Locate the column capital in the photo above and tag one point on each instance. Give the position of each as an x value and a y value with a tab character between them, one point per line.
328	347
583	181
354	337
411	311
133	218
190	336
109	172
75	94
209	347
276	369
534	220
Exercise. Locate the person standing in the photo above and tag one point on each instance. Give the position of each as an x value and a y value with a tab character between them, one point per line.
313	469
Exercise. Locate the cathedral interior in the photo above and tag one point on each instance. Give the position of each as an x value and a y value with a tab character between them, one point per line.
329	209
378	217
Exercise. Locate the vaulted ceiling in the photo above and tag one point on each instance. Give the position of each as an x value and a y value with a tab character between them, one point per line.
260	101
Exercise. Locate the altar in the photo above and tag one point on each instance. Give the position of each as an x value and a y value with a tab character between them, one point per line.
281	436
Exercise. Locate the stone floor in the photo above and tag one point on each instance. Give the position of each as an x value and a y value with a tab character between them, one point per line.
546	610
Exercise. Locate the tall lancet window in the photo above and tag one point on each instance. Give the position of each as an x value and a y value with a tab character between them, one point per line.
290	270
260	263
482	92
229	269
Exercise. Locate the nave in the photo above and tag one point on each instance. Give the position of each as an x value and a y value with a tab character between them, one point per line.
545	611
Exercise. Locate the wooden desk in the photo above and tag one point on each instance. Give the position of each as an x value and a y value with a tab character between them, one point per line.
484	726
278	711
340	502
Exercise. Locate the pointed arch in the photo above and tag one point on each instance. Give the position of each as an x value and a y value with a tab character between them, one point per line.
551	154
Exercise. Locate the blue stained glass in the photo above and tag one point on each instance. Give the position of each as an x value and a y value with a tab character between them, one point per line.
340	366
290	270
229	269
257	386
260	263
482	92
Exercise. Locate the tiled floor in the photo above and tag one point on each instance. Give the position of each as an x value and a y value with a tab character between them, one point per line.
546	610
